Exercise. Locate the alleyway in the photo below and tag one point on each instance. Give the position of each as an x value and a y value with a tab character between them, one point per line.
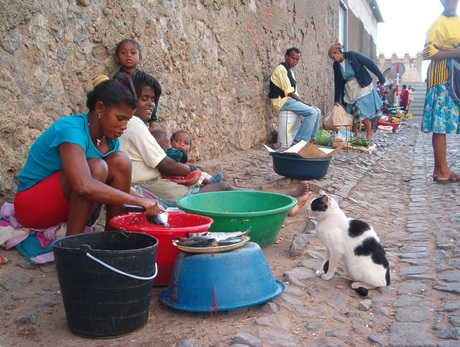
418	222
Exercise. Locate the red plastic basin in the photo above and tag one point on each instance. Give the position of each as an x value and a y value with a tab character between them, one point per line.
181	223
393	125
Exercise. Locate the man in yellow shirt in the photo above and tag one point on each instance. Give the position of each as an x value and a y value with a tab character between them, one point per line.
283	96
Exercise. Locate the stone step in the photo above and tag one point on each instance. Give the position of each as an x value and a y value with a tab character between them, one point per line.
416	107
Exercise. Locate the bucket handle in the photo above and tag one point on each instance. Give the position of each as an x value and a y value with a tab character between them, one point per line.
124	273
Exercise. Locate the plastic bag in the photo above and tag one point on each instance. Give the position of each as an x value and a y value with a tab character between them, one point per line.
322	137
385	129
339	117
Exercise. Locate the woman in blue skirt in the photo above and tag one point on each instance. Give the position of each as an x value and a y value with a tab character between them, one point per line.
441	110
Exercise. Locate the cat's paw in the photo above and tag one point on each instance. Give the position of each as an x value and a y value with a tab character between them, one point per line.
327	277
319	273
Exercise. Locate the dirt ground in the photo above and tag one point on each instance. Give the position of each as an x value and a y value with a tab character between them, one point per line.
34	313
24	324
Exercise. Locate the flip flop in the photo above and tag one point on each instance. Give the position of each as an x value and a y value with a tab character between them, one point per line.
454	177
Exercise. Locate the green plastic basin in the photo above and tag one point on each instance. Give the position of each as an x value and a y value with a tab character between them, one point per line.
261	212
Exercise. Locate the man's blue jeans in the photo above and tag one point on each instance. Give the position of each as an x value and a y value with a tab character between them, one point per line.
311	117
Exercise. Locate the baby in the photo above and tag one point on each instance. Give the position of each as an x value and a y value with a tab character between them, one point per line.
178	148
182	140
161	137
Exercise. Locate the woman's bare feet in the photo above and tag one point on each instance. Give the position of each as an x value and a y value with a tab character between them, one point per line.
301	193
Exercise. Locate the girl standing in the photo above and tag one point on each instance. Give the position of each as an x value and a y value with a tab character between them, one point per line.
128	55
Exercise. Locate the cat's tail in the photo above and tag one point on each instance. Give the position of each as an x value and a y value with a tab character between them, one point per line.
361	288
361	291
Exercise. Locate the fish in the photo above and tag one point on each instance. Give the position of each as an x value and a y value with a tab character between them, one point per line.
196	241
159	218
193	237
224	235
209	240
200	233
230	241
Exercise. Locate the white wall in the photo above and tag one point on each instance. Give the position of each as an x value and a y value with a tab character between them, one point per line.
363	11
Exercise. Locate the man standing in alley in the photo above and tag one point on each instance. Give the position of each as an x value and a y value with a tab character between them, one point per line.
404	99
283	96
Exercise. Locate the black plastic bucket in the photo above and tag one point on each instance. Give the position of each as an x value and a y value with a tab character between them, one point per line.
106	281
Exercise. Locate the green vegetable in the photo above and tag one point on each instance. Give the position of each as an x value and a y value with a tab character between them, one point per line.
322	138
359	141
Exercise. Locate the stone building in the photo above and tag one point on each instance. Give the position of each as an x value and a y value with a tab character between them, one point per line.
212	57
412	66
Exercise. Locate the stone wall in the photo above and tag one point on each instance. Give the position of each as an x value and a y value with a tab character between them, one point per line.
213	59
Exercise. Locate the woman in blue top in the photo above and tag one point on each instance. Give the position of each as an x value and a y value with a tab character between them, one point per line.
353	86
76	164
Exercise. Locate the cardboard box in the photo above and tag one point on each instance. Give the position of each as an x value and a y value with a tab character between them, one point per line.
308	150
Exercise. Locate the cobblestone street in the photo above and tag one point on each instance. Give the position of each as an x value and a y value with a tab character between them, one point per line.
417	220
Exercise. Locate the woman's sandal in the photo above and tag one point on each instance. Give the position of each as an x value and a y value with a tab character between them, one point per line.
454	177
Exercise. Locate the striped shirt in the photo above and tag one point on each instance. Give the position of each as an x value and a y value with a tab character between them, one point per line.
443	35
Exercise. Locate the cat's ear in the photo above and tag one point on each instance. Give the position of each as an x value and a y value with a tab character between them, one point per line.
325	199
323	193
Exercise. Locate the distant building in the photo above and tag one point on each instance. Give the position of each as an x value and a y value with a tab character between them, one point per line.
412	66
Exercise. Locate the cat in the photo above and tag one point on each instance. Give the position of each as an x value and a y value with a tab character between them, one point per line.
353	240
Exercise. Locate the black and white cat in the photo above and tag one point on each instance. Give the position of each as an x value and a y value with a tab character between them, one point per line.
353	240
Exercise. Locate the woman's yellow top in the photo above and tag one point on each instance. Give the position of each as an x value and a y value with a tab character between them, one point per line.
443	35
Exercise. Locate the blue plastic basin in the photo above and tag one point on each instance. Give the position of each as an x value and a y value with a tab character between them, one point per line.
300	168
221	281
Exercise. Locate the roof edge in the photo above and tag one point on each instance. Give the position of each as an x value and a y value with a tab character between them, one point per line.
376	11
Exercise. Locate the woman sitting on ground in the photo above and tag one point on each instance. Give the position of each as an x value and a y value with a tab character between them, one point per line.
148	158
76	164
150	161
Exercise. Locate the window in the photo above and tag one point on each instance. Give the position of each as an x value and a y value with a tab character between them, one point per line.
373	54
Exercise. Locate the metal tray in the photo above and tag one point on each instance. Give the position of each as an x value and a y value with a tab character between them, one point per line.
213	249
